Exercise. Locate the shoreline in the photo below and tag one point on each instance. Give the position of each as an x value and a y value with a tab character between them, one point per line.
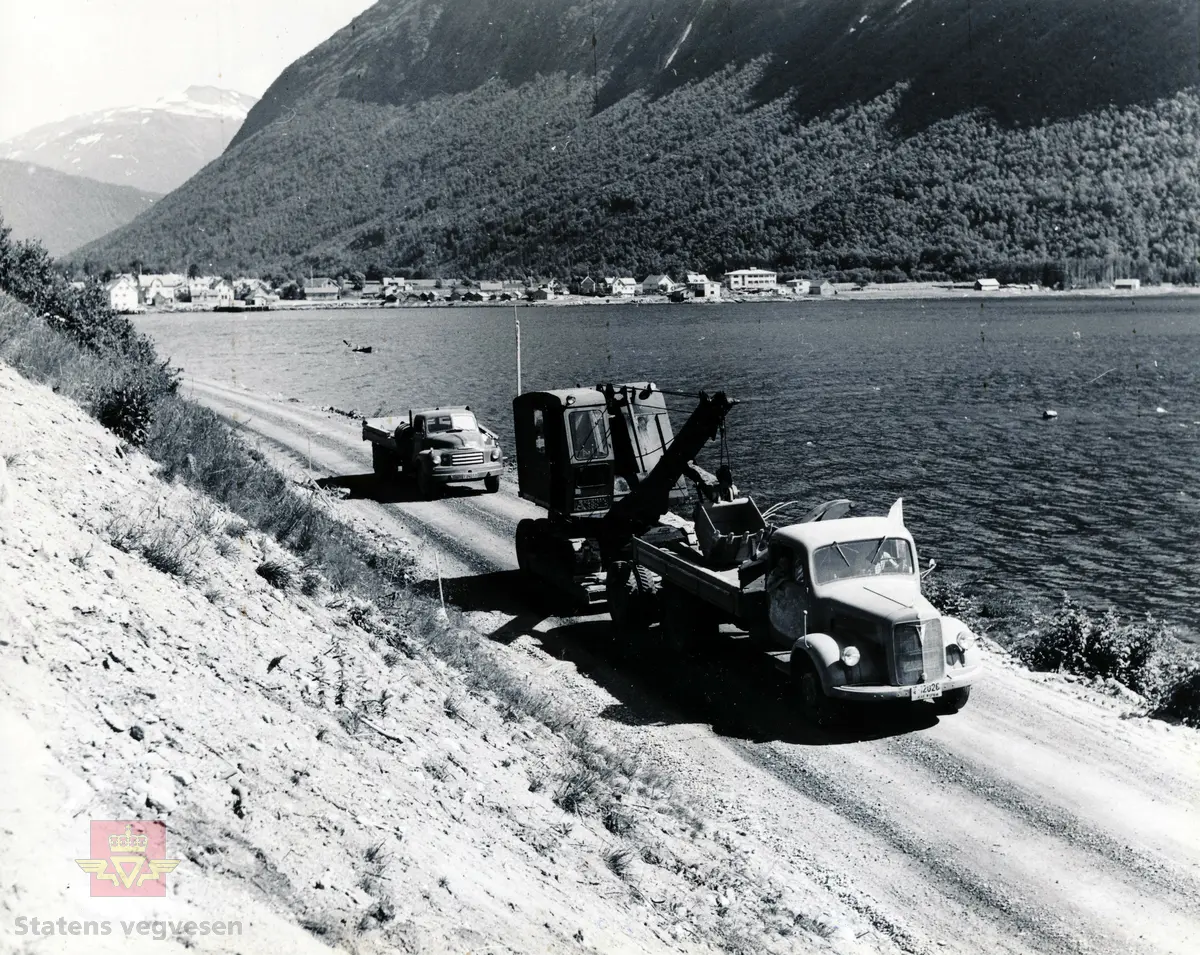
912	291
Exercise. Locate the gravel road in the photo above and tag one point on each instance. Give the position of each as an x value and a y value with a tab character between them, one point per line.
1045	817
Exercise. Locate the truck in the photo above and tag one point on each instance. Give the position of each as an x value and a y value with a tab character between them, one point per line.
833	600
435	447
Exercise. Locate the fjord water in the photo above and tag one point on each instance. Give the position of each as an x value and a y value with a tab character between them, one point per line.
940	402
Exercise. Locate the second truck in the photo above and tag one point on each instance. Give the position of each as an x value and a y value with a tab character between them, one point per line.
834	600
435	447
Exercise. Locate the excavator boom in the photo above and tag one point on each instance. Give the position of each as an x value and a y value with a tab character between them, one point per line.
650	499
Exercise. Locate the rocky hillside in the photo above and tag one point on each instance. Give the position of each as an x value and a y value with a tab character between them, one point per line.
155	147
907	136
326	779
63	212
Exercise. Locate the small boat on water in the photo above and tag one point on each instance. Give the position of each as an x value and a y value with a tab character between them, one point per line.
361	349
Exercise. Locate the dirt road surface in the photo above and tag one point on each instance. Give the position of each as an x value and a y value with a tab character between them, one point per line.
1045	817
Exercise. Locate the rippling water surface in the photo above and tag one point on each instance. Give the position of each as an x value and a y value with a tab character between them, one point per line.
939	402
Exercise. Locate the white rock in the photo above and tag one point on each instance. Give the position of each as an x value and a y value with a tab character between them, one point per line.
160	792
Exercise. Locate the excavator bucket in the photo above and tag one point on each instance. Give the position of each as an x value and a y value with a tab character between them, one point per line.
729	532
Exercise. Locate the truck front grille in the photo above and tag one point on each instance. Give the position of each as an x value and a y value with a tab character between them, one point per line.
918	654
466	458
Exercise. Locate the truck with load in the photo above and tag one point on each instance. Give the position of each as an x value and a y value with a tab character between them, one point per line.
834	600
435	447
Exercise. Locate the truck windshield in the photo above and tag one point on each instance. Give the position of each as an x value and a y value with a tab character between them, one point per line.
454	421
866	558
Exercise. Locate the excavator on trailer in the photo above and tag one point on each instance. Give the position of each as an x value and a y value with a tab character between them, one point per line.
606	465
834	601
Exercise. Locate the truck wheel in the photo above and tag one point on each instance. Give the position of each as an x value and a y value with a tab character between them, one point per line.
426	486
688	626
491	483
818	709
632	594
952	701
383	462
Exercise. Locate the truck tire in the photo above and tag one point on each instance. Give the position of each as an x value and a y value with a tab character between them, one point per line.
817	708
952	701
632	594
427	487
491	483
688	625
383	461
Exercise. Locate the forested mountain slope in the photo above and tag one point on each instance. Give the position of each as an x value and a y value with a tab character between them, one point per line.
923	136
61	211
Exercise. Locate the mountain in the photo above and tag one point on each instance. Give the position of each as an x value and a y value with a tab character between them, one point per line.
915	137
62	211
156	147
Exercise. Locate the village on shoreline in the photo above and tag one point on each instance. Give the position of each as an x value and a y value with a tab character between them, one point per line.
153	292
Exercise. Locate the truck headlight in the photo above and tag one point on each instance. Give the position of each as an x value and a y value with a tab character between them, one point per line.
965	639
447	458
851	656
495	454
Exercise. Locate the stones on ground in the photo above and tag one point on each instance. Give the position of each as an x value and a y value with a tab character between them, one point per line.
137	732
116	721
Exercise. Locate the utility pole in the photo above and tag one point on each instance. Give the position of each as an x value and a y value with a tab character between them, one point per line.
517	323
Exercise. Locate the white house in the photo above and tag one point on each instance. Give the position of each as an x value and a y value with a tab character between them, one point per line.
1129	285
212	291
798	286
701	286
122	294
160	289
987	285
657	285
626	287
751	280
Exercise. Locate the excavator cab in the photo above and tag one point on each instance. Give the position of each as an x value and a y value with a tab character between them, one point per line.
580	450
605	463
564	451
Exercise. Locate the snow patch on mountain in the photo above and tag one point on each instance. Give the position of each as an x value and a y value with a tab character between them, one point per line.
156	147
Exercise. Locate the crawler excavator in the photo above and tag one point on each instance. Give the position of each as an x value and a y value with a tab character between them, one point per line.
606	465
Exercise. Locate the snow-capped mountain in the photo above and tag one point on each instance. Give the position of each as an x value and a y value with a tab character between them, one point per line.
155	147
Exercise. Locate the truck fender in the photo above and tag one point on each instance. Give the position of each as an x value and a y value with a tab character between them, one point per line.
952	629
825	654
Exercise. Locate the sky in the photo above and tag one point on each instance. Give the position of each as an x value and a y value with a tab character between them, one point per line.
59	58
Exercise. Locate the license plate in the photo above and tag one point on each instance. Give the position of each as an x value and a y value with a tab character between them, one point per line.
926	691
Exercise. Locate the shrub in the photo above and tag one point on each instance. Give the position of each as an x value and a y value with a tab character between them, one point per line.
276	573
1075	641
1181	701
619	861
126	410
576	790
616	820
951	597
